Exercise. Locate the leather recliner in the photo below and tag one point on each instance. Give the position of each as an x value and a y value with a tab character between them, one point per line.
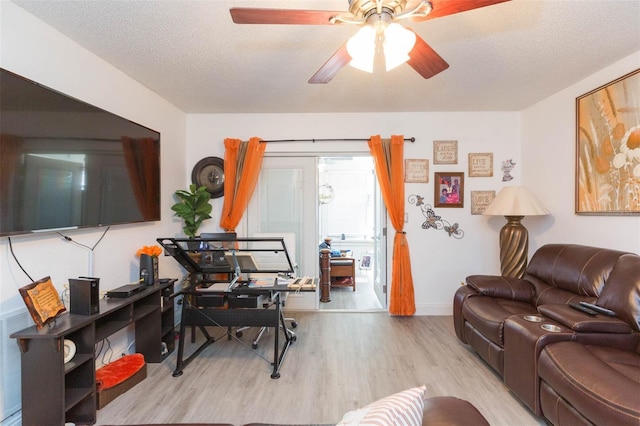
562	375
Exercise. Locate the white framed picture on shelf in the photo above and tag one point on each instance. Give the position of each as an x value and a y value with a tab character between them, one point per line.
365	262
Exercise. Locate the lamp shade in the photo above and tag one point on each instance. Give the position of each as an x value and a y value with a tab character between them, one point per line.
362	48
515	201
398	42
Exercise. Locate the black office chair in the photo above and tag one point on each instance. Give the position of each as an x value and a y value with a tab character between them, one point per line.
288	245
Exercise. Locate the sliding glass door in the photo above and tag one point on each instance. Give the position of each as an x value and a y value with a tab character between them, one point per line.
284	204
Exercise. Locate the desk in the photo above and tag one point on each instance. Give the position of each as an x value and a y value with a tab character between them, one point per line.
216	308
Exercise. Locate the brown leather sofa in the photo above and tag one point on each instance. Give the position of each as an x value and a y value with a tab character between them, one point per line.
569	366
438	411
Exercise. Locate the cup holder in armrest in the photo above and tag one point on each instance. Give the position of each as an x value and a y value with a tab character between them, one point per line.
533	318
550	327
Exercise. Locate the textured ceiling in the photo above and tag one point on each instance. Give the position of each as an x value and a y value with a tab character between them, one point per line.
504	57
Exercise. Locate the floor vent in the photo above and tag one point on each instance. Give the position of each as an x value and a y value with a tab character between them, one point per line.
10	396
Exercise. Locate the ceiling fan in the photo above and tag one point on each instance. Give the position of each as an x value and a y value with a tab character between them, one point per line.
378	19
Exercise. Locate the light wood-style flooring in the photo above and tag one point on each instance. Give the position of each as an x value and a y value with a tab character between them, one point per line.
339	362
363	299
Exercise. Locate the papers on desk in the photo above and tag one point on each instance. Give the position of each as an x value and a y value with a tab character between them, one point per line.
216	287
261	282
302	283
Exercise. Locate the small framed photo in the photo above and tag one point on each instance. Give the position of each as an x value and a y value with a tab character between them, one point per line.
480	200
448	189
481	164
416	171
365	263
445	152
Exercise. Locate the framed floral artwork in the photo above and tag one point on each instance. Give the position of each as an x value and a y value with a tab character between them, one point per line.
608	148
449	189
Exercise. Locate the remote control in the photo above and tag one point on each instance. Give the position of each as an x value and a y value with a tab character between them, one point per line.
583	308
599	309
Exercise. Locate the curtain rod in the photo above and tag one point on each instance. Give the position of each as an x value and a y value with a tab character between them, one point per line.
329	140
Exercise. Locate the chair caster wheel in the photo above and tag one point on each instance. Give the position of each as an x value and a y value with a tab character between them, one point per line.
294	338
254	346
238	333
294	324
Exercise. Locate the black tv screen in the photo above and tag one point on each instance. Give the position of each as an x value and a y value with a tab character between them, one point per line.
66	164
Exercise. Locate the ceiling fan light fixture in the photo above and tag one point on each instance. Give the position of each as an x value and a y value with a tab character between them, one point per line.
362	48
398	42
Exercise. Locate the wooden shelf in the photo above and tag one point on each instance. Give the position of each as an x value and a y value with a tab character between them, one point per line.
72	384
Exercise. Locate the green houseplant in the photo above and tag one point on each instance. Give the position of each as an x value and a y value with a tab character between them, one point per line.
193	208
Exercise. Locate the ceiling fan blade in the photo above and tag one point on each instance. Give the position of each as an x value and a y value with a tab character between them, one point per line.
449	7
425	60
330	68
246	15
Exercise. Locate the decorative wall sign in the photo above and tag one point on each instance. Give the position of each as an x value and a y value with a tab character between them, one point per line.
433	221
448	189
608	149
481	165
506	168
480	200
416	171
445	152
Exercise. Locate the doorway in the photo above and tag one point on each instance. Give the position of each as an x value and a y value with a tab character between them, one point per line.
291	198
349	205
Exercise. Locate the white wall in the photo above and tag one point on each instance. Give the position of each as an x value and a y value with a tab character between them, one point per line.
439	262
549	146
36	51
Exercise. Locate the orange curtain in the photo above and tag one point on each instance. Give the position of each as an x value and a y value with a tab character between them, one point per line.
389	163
142	157
242	163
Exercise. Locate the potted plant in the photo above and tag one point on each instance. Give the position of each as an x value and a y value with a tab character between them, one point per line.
193	208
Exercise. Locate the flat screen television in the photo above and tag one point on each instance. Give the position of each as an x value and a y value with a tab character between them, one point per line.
66	164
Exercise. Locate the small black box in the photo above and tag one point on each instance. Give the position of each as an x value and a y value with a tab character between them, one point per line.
84	295
246	300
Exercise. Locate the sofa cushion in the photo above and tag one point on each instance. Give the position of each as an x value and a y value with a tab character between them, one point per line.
403	409
574	268
599	382
621	293
487	314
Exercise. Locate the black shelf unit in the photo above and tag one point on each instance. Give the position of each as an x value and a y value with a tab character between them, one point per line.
54	393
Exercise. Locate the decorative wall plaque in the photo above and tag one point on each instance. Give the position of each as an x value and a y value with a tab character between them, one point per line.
416	171
445	152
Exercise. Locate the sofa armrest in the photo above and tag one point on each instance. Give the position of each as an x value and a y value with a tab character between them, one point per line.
504	287
584	323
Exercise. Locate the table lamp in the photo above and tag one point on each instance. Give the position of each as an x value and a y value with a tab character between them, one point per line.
514	203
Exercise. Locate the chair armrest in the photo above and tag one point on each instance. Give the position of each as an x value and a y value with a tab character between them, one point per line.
584	323
504	287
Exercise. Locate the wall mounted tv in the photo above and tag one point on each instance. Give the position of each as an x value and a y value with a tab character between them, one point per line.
66	164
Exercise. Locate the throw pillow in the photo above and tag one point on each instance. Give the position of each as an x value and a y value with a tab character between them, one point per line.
401	409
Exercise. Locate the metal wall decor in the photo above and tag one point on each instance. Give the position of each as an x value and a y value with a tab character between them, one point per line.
433	221
209	172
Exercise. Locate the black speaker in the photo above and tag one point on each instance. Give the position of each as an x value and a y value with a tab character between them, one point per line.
84	295
147	270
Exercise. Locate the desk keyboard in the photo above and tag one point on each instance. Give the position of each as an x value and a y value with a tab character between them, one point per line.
303	282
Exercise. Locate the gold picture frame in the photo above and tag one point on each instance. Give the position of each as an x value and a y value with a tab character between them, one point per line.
608	149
